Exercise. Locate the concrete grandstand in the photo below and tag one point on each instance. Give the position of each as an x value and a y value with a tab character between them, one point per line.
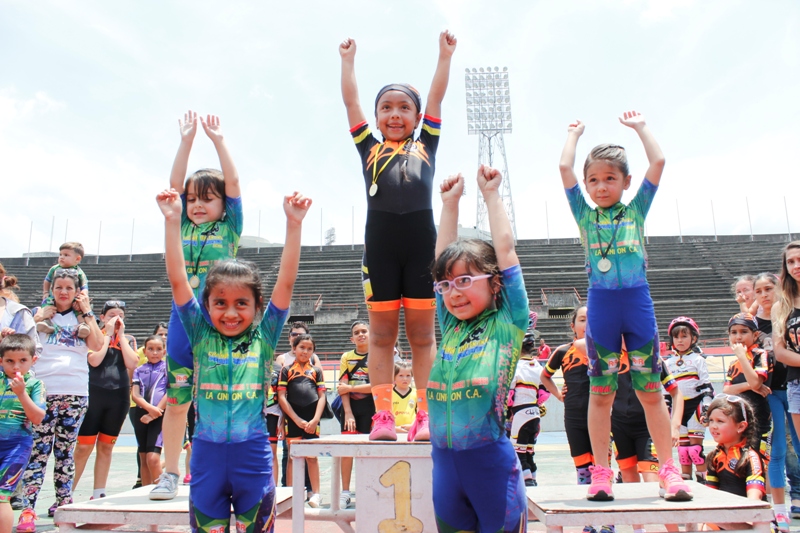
688	276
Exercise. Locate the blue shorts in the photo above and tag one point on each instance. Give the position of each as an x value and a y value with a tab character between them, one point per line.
237	474
479	489
793	396
14	455
614	314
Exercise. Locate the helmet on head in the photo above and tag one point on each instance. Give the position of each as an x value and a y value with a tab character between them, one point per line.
684	321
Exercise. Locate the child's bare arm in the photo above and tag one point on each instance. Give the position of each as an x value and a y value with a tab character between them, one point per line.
502	235
188	128
213	129
355	115
295	206
677	415
170	204
451	190
551	387
447	45
33	412
655	157
567	164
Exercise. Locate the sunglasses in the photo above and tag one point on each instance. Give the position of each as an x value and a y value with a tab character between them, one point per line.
461	283
734	399
114	304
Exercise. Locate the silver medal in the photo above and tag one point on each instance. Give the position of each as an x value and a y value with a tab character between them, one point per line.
604	265
194	282
373	189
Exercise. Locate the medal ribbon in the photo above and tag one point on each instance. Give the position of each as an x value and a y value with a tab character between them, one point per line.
613	241
375	172
200	253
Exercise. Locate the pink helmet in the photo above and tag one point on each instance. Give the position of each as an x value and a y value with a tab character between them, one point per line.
684	321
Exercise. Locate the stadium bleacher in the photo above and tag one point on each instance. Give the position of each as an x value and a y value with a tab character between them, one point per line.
692	278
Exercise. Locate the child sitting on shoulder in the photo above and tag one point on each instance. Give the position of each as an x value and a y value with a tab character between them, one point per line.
70	255
404	397
22	402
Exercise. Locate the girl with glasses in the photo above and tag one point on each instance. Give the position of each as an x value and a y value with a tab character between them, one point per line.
483	314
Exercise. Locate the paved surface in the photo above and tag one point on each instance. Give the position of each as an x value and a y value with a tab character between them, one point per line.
552	458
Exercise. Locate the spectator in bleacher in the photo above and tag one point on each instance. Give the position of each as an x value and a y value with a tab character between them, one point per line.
544	350
786	323
400	233
357	404
765	287
70	255
149	391
161	331
620	305
15	317
211	225
63	369
301	394
109	395
743	290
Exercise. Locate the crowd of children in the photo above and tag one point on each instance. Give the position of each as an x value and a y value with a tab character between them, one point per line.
69	381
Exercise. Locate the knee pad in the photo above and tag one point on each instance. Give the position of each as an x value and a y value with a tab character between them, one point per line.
696	454
683	455
584	475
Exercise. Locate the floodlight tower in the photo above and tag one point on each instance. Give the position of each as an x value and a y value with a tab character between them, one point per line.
489	115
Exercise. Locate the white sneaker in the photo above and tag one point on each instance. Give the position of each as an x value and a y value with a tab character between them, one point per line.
344	500
315	500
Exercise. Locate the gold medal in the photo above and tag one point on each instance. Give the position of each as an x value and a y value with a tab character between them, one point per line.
194	282
373	189
604	265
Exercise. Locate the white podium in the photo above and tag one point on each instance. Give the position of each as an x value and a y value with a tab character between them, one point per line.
394	483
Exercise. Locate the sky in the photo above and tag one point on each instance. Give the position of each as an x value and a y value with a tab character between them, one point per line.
91	93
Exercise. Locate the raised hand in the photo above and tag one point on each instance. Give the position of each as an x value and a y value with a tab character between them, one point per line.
188	126
447	43
212	128
169	201
577	128
347	49
296	207
633	119
5	332
489	179
452	188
